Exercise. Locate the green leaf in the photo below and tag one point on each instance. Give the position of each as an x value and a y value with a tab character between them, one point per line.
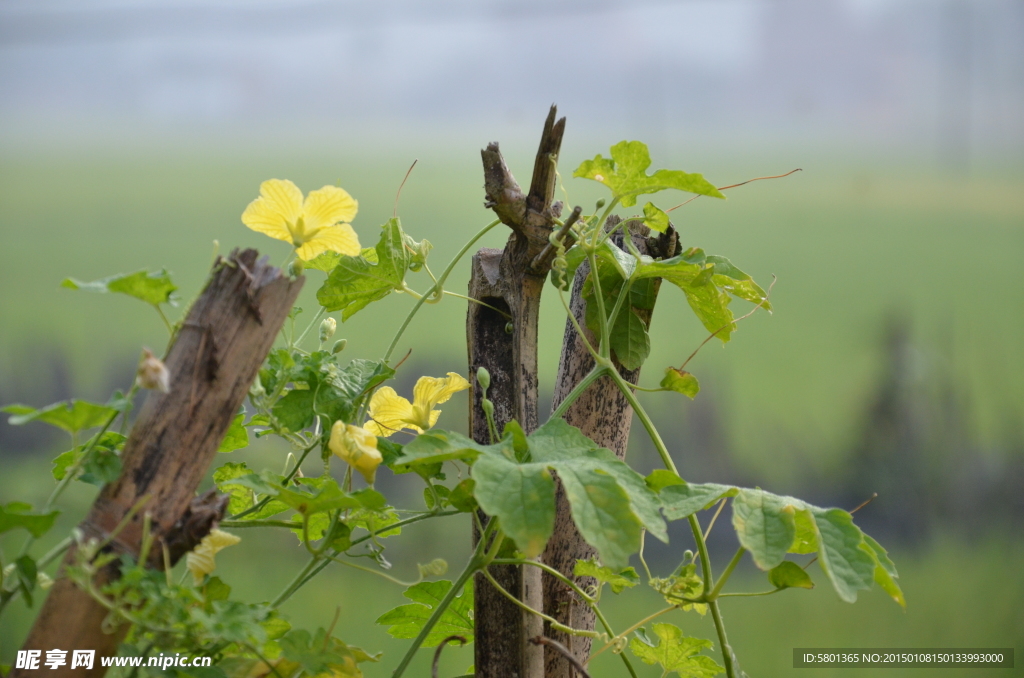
685	499
736	282
602	513
522	496
316	528
215	589
72	416
152	288
685	584
629	339
406	621
241	497
27	574
103	466
355	282
885	571
848	566
676	653
765	525
788	574
619	581
237	437
294	411
681	381
806	538
625	173
661	478
655	219
320	654
17	515
437	445
462	496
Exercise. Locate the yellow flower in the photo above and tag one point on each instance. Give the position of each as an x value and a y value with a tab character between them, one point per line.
358	447
313	226
390	412
200	562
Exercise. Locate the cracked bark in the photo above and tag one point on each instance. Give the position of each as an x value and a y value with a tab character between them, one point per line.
213	360
511	280
603	415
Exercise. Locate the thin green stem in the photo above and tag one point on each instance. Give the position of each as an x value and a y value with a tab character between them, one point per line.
391	579
576	325
54	553
604	344
596	373
167	323
477	301
587	598
438	286
622	296
716	614
312	322
555	624
472	567
634	627
713	594
645	419
749	595
296	583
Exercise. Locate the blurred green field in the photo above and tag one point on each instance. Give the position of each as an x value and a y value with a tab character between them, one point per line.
850	245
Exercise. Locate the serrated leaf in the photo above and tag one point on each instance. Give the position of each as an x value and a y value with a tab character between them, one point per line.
848	566
152	288
676	653
240	497
72	416
681	381
618	581
18	515
103	467
788	574
885	570
684	499
765	525
625	173
355	282
237	437
294	411
406	621
654	218
522	496
629	339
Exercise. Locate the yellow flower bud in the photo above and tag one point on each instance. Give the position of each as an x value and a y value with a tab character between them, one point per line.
327	329
152	373
358	447
200	562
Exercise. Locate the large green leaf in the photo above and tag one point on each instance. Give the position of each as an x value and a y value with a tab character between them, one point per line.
610	503
765	526
848	566
676	653
18	515
103	465
152	288
437	446
625	173
522	496
355	282
406	621
72	416
629	339
681	500
240	497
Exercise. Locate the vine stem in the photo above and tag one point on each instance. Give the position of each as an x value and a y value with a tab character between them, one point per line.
645	419
716	614
433	291
594	374
713	594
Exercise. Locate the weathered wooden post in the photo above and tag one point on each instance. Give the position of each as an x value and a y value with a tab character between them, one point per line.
216	354
511	280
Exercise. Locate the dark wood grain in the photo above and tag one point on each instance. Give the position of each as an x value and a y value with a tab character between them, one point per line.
212	362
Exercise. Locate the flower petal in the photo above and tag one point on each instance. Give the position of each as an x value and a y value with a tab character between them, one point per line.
358	447
436	390
200	562
341	239
328	206
279	204
388	413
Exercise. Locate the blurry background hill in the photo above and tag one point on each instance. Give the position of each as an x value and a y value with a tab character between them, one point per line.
133	134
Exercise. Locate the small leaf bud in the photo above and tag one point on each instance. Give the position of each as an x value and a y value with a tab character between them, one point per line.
295	268
327	329
152	373
339	345
600	203
483	377
488	407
